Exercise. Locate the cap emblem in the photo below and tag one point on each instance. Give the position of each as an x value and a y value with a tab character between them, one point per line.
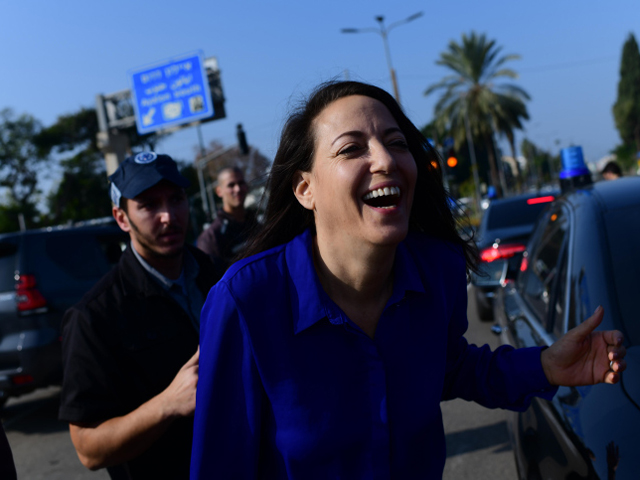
145	157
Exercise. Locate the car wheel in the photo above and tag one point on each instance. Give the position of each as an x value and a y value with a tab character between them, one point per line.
484	306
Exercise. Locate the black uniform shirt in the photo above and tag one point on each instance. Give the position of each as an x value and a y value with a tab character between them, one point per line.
122	344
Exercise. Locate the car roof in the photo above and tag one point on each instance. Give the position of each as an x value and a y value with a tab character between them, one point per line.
609	194
106	224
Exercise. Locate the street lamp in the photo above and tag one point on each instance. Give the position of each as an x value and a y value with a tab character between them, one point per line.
383	32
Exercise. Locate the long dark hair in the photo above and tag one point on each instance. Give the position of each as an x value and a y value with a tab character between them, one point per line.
285	218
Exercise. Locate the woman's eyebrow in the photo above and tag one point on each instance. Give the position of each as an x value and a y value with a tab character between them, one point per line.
351	133
358	133
393	130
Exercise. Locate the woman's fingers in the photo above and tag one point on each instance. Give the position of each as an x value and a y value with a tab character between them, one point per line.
193	360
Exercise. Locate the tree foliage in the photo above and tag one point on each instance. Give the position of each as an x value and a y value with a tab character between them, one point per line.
541	164
20	157
474	93
11	212
626	110
70	132
83	191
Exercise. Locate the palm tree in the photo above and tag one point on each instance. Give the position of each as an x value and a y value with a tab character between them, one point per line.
472	92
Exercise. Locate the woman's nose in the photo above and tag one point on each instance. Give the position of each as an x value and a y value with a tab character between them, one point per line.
382	159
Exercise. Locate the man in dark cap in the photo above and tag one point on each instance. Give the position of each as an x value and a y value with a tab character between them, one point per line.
130	346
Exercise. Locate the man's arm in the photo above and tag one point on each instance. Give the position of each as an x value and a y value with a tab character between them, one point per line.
121	439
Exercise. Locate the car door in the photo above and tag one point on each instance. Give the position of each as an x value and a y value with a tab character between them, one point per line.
538	316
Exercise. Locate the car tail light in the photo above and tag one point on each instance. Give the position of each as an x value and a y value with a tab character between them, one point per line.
21	379
545	199
501	252
27	295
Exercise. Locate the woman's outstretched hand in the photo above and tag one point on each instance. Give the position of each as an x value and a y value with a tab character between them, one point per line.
584	357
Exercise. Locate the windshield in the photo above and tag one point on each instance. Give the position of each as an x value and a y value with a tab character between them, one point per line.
623	231
513	213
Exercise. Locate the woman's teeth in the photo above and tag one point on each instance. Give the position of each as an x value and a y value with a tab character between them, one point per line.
382	192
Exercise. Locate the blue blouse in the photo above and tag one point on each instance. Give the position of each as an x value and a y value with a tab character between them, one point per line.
289	387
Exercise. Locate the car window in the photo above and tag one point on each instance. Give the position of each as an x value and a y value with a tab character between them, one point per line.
556	318
513	214
8	252
81	256
623	234
543	266
73	258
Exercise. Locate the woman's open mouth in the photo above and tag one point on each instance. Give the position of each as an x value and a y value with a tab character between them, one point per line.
387	197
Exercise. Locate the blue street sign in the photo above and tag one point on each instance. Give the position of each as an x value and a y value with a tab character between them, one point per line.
169	93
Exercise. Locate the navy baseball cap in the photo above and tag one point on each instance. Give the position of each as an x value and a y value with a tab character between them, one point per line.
142	171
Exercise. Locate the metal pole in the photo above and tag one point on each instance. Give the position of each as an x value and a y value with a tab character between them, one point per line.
200	166
383	34
472	155
499	166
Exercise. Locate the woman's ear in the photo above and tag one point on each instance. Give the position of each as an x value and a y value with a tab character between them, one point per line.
303	190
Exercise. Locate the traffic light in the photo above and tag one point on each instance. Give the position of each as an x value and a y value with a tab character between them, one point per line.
452	160
242	140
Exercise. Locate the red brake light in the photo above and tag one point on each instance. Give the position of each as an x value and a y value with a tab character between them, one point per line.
28	297
21	379
524	264
26	282
547	199
501	252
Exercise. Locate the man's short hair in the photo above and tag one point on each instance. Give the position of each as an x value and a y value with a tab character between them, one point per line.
612	167
233	169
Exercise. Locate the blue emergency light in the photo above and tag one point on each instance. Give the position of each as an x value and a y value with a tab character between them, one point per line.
574	173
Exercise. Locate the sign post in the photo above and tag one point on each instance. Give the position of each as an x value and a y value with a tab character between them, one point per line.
170	93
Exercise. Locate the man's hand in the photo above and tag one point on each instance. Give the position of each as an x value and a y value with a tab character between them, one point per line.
584	357
121	439
179	398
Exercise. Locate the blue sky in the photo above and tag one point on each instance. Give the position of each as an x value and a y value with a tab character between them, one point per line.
56	56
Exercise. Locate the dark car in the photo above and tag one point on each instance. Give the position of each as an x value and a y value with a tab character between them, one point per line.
501	238
42	273
584	253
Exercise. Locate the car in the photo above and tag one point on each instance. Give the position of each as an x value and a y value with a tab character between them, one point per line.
42	273
583	253
502	236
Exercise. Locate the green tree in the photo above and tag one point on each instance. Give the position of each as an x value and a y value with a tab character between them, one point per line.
541	164
626	110
20	159
13	215
473	93
70	132
82	193
506	126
